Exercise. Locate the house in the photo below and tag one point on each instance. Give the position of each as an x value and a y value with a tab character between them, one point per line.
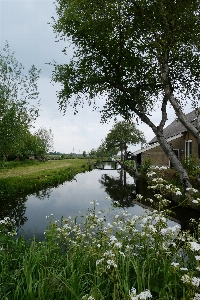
182	142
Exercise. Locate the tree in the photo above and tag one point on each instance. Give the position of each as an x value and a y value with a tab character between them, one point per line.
122	134
43	142
137	54
84	154
103	151
17	112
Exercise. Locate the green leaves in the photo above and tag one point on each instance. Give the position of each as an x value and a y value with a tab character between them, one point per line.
18	92
122	134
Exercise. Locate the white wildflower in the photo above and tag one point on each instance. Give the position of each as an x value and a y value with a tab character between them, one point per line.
99	261
196	296
142	296
195	201
178	193
111	262
118	245
195	281
194	246
185	278
174	264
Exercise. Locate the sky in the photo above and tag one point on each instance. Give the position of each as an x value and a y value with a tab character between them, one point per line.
24	24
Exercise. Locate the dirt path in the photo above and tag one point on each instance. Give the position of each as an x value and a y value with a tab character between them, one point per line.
27	170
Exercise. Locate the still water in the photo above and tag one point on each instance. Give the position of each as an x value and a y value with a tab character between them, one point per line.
73	199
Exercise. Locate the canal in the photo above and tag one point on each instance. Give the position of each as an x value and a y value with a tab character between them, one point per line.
73	198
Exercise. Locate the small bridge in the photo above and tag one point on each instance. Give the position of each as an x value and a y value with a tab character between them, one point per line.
102	165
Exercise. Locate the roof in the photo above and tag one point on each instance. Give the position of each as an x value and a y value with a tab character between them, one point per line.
156	144
176	127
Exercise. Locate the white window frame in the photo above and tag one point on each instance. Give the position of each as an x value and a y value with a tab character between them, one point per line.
188	150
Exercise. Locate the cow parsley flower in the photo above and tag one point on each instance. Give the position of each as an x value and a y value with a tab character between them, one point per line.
174	264
195	201
142	296
195	281
196	296
194	246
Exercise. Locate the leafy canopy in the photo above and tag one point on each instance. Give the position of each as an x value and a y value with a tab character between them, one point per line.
122	134
130	52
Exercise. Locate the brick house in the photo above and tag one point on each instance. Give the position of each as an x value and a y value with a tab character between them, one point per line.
182	142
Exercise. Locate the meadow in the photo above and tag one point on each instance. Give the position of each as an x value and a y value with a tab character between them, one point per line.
29	177
89	258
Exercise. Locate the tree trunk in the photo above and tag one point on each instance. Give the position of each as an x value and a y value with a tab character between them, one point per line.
164	144
174	160
122	155
183	119
178	110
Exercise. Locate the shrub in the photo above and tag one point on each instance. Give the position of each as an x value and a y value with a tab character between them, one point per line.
191	164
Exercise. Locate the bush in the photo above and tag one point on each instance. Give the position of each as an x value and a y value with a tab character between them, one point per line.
191	164
145	167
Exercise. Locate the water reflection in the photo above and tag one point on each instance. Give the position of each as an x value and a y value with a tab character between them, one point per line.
14	209
73	199
44	194
118	188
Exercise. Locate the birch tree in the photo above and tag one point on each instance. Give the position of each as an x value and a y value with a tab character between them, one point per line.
138	55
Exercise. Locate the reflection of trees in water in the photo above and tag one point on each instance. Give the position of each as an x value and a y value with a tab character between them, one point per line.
15	209
118	189
44	194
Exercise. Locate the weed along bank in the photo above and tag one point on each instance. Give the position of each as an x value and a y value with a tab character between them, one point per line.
99	243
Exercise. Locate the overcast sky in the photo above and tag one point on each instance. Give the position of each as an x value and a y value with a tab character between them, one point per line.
24	24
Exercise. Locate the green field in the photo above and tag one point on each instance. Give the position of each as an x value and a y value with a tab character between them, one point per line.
31	176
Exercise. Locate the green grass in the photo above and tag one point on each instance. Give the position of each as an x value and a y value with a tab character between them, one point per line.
30	177
93	260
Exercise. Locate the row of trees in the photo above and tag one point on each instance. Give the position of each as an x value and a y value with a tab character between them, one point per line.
18	92
140	55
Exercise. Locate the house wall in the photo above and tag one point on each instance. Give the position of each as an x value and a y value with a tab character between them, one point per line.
159	158
195	147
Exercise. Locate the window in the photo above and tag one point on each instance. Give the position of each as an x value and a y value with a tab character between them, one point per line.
188	148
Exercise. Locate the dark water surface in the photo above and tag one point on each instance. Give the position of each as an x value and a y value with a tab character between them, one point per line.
71	198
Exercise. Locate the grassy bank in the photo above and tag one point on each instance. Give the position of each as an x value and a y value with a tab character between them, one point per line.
30	177
131	258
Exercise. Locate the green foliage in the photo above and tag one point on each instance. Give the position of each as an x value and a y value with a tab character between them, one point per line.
123	133
145	167
103	151
109	59
18	92
42	142
192	165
